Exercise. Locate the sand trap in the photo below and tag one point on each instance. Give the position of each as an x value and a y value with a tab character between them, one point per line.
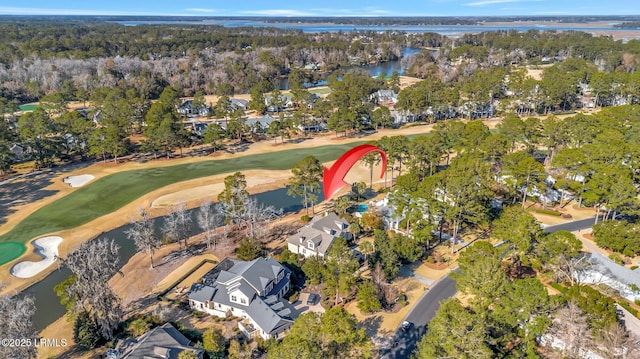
78	181
47	247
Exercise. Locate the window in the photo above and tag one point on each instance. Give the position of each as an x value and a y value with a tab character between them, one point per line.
233	298
310	244
243	301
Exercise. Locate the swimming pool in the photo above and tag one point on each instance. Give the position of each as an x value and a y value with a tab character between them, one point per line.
361	208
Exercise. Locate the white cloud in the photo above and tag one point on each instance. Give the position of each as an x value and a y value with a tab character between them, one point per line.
201	10
277	12
494	2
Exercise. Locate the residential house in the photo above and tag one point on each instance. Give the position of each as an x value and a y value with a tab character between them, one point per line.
286	103
17	152
385	97
188	109
604	271
161	342
238	104
315	238
252	290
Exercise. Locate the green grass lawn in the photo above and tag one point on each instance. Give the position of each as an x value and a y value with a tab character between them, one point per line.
320	91
28	107
115	191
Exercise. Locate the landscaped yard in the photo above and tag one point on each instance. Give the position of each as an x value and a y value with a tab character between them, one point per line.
114	191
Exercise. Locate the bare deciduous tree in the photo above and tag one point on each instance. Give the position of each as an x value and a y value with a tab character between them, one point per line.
615	342
143	233
93	263
209	218
177	225
17	314
570	327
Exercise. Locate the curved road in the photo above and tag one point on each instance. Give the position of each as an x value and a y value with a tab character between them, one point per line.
424	310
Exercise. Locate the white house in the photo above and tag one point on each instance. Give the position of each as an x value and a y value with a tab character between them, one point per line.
315	238
249	290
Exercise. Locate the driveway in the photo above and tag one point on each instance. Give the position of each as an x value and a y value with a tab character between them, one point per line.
300	306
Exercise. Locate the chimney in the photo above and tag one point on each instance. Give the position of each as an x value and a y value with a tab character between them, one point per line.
302	238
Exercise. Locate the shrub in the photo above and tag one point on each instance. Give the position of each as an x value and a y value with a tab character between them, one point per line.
138	327
305	218
616	258
549	212
633	267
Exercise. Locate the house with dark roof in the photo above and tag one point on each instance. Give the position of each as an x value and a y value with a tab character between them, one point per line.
163	342
187	108
315	238
252	290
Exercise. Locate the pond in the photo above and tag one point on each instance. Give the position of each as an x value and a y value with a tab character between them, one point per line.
375	70
48	307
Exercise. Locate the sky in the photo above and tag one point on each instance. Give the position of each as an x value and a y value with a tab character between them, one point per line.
321	7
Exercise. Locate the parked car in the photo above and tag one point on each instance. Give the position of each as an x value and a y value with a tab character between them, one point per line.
406	325
312	299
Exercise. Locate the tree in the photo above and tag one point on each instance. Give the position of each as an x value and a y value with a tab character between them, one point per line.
177	225
454	332
371	160
237	351
17	322
366	248
37	130
556	251
527	173
188	354
367	300
570	326
342	204
93	263
231	198
518	228
86	334
481	273
248	249
358	189
143	233
213	135
381	117
138	327
209	218
213	341
340	271
275	129
334	334
314	269
385	255
305	181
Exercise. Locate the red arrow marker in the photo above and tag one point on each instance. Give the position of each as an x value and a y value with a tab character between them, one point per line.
333	179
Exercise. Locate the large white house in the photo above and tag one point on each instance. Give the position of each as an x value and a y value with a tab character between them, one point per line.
315	238
250	290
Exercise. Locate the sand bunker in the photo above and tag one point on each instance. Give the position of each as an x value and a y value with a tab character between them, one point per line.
78	181
47	247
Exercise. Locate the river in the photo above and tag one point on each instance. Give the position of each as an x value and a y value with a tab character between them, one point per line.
48	307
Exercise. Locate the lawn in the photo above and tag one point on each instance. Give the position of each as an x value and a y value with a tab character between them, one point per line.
112	192
28	107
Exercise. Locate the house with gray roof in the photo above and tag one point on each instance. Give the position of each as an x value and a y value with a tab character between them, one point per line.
252	290
602	270
315	238
163	342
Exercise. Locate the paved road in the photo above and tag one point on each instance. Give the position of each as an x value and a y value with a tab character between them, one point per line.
426	307
571	226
